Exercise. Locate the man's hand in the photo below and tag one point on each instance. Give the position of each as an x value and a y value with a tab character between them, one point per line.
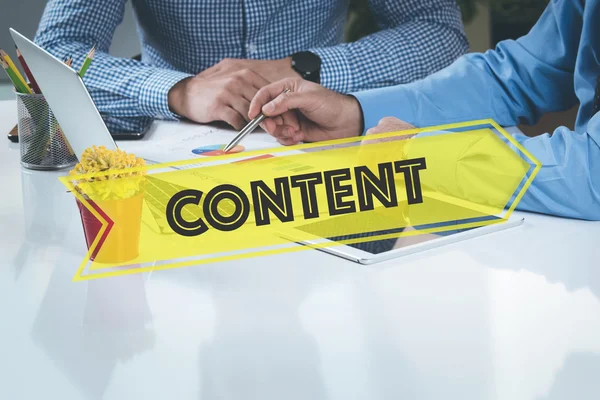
390	124
216	97
271	70
308	113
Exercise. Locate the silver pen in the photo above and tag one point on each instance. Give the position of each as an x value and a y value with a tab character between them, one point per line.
252	125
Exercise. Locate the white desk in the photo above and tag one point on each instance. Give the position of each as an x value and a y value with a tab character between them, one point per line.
514	315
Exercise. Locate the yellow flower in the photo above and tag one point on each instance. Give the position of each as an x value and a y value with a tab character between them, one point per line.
117	183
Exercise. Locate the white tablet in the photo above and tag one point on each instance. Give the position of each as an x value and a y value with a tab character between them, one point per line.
371	252
356	247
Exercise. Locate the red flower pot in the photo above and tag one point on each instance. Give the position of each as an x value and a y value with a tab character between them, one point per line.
120	241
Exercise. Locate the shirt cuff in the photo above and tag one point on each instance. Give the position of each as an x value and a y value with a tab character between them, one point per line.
385	102
154	93
335	71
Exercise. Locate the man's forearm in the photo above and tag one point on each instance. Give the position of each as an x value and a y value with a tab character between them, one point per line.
418	39
120	87
517	82
568	184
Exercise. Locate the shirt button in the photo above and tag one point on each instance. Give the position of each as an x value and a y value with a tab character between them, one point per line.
251	48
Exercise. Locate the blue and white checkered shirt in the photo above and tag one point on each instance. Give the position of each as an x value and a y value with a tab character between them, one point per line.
181	38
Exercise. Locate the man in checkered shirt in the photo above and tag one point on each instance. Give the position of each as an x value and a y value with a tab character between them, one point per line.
205	60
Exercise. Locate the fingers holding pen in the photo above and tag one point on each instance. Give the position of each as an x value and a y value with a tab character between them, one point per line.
271	92
289	119
269	124
287	135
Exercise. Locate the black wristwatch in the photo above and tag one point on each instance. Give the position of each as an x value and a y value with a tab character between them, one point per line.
308	65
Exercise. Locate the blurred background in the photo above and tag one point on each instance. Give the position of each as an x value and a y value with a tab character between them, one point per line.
24	16
486	22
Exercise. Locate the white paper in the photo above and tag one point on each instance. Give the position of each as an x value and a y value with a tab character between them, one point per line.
174	141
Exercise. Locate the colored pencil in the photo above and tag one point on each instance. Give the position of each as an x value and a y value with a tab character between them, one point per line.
19	86
4	65
15	72
32	81
87	62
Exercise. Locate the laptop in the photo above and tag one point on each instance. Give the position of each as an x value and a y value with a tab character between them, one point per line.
68	97
81	121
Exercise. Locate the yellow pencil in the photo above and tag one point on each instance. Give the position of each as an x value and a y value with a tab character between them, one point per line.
14	69
19	87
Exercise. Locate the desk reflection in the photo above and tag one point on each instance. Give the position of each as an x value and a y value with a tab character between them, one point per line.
46	203
87	339
261	346
569	258
48	210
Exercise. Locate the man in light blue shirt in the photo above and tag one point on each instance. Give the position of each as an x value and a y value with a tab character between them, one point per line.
552	68
205	59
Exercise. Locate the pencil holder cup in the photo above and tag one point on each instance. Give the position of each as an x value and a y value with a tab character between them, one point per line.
42	142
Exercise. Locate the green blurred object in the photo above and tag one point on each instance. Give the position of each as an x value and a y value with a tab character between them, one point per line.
518	11
361	22
469	9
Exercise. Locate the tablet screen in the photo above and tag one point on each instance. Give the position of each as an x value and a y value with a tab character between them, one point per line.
384	245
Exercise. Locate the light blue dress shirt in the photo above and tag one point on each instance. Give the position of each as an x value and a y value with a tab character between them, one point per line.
552	68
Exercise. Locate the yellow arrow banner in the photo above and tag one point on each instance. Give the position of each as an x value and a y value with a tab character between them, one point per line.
263	202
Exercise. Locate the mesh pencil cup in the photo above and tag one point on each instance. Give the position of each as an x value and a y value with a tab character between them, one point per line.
42	142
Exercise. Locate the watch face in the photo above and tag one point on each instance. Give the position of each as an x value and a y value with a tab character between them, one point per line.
307	64
307	61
